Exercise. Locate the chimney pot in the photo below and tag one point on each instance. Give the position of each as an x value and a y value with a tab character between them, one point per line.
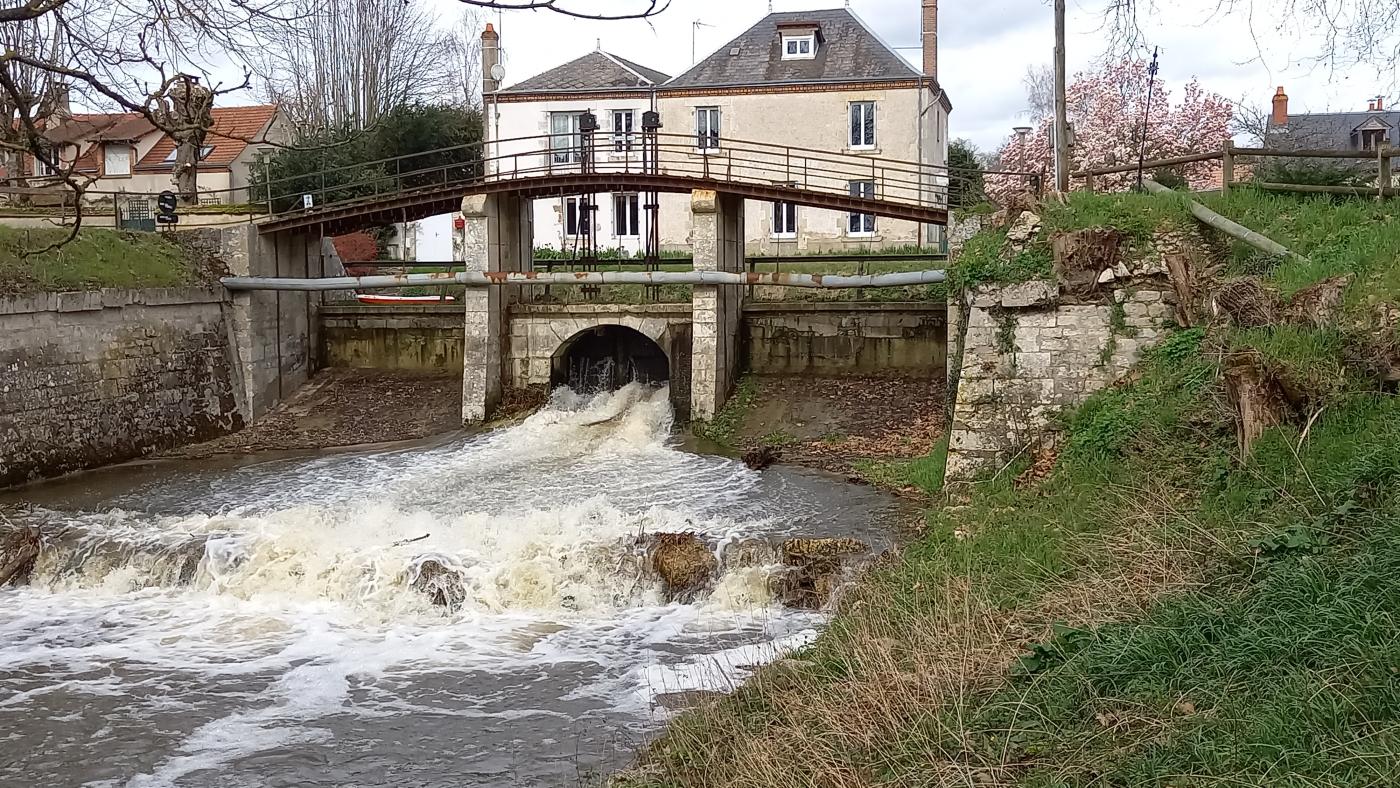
1280	113
1380	103
1371	105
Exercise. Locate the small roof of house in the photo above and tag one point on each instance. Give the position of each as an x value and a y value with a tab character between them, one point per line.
594	71
850	52
101	127
233	130
1325	129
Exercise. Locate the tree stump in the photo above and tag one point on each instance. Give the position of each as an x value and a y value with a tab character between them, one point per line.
1256	397
1082	256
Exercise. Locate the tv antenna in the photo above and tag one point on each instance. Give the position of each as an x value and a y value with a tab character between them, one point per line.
694	32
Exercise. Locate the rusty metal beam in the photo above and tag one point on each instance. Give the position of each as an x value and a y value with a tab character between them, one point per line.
480	279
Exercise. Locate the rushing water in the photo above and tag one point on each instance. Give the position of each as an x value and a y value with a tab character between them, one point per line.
255	626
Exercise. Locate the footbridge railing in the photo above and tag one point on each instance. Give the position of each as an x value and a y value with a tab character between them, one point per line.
591	161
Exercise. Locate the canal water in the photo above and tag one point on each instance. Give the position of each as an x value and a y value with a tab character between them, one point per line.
254	624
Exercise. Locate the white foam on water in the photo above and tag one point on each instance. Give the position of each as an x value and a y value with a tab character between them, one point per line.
291	592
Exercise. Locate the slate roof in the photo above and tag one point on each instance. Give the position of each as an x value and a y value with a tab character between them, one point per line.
850	52
593	71
1334	130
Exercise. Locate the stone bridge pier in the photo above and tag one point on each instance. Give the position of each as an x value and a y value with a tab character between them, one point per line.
500	342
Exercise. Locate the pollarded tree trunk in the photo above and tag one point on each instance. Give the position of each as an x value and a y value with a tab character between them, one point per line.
186	114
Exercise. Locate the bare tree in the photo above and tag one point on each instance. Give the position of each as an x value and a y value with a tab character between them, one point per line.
466	56
142	57
348	62
1039	82
1354	32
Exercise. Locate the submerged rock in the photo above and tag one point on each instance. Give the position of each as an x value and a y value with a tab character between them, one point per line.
19	549
441	584
816	568
684	562
760	457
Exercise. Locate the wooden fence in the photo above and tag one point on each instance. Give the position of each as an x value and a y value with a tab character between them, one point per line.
1230	154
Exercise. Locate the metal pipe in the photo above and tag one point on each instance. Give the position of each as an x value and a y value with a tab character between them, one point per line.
484	279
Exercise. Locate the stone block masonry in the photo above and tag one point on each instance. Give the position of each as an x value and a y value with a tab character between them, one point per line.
91	378
1030	352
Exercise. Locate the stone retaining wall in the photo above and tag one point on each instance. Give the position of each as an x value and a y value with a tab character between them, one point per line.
1029	352
89	378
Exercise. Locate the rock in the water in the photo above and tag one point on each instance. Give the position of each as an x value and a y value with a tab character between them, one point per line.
442	584
816	569
684	562
760	457
19	549
748	553
686	699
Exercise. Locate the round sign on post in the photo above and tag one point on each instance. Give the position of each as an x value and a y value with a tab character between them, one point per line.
166	203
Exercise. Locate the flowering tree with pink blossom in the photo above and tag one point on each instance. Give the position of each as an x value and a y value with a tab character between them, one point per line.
1106	108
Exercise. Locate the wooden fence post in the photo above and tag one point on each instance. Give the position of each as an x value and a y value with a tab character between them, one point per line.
1089	181
1227	167
1384	182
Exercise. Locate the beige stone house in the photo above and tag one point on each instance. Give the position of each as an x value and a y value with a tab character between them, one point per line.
125	153
819	80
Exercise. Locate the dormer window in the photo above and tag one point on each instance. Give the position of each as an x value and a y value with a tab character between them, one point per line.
800	47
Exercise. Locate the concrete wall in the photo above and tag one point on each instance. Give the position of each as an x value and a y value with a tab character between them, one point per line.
1029	353
89	378
717	221
538	332
275	334
391	337
840	338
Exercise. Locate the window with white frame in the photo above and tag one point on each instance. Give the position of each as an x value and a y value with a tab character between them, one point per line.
784	220
626	216
707	128
564	139
800	47
577	216
116	160
863	124
623	120
862	223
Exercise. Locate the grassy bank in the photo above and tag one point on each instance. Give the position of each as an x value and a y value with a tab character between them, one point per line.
1157	609
95	259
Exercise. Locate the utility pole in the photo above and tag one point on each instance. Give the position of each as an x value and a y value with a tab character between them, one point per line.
1061	112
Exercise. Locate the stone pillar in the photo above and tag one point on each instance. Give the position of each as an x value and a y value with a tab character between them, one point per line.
497	236
717	237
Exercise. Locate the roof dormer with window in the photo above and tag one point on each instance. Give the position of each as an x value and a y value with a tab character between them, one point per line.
799	41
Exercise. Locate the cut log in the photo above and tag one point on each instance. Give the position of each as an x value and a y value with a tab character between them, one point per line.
1318	305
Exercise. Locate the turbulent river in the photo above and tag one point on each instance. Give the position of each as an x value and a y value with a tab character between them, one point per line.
254	624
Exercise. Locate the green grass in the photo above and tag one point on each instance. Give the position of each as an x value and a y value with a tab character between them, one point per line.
924	474
724	428
95	259
1158	611
1336	235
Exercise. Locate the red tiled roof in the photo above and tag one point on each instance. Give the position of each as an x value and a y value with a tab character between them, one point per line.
233	128
119	127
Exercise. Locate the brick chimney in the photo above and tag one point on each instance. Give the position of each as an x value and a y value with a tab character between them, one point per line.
1371	105
1380	103
930	27
1280	114
490	58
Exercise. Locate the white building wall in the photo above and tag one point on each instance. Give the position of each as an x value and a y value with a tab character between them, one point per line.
531	119
819	121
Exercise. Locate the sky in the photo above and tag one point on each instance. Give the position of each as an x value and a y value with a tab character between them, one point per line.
985	49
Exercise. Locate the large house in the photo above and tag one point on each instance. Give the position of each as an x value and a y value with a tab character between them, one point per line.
820	80
124	152
1357	131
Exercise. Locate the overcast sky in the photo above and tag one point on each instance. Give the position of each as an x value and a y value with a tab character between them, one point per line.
985	48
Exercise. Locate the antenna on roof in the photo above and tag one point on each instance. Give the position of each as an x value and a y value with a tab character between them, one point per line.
694	30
